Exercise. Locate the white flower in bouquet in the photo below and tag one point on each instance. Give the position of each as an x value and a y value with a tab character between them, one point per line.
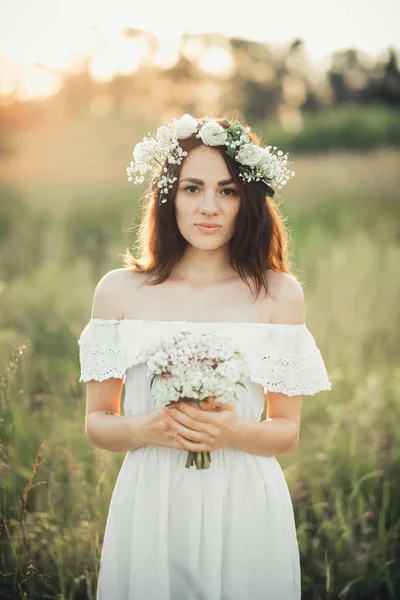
195	367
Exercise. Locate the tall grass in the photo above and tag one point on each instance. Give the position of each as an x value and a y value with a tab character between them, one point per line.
345	474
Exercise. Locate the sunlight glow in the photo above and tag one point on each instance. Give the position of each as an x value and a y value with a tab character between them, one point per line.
192	48
60	35
102	67
36	82
217	61
9	77
167	54
120	54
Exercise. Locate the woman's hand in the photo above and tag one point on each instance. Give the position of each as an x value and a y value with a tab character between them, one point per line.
156	432
202	429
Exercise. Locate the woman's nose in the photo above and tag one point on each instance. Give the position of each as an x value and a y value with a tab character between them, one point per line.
208	202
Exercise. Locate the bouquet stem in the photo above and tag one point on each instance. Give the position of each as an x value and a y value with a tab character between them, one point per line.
201	460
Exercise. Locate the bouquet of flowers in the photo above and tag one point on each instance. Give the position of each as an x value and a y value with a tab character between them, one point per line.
193	367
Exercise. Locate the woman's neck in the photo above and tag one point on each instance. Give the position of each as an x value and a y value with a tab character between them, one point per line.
203	267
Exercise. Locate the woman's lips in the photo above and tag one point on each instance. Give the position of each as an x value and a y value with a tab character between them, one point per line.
209	228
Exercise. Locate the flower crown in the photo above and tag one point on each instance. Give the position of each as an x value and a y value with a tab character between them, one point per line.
164	151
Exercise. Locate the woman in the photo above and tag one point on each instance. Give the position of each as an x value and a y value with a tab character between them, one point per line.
213	258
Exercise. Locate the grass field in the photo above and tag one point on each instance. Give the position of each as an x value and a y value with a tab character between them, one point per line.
66	212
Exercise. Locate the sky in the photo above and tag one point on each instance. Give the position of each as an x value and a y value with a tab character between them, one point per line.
54	31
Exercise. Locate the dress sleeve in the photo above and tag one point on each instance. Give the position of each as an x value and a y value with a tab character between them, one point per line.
286	359
102	353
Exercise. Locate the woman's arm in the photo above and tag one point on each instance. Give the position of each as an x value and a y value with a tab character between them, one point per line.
279	433
113	432
273	436
105	427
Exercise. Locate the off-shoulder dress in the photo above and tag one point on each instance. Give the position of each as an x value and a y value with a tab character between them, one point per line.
223	533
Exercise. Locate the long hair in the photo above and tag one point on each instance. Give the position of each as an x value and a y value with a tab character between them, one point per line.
260	243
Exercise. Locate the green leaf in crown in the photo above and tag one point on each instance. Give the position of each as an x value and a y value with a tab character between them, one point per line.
230	151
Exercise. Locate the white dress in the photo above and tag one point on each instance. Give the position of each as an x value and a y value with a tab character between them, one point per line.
223	533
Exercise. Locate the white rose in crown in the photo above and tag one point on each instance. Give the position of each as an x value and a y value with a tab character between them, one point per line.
249	155
164	135
185	127
213	134
265	157
144	151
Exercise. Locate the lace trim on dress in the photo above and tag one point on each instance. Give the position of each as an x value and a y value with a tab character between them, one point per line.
282	358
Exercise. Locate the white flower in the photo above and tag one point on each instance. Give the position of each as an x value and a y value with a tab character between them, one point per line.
264	157
164	134
213	134
249	155
142	168
268	170
144	151
195	366
185	127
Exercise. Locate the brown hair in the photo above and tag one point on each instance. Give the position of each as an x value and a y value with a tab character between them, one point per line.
259	244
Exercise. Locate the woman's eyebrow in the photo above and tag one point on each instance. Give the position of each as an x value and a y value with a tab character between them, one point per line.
200	182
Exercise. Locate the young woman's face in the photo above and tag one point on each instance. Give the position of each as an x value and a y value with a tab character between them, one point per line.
206	194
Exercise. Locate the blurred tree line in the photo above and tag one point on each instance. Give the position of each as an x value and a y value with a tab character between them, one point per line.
212	74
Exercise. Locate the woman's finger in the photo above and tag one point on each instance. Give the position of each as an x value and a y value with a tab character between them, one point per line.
186	432
193	446
182	416
220	406
191	410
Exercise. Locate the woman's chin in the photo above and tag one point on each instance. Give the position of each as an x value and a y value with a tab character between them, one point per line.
205	244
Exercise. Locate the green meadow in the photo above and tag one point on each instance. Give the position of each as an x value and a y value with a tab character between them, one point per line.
67	212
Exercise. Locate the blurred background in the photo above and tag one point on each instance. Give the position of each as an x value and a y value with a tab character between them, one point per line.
80	85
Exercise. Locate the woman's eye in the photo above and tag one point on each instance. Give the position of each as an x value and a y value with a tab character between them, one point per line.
193	188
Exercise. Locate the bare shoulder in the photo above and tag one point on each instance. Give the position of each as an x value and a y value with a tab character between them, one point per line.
288	295
108	302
